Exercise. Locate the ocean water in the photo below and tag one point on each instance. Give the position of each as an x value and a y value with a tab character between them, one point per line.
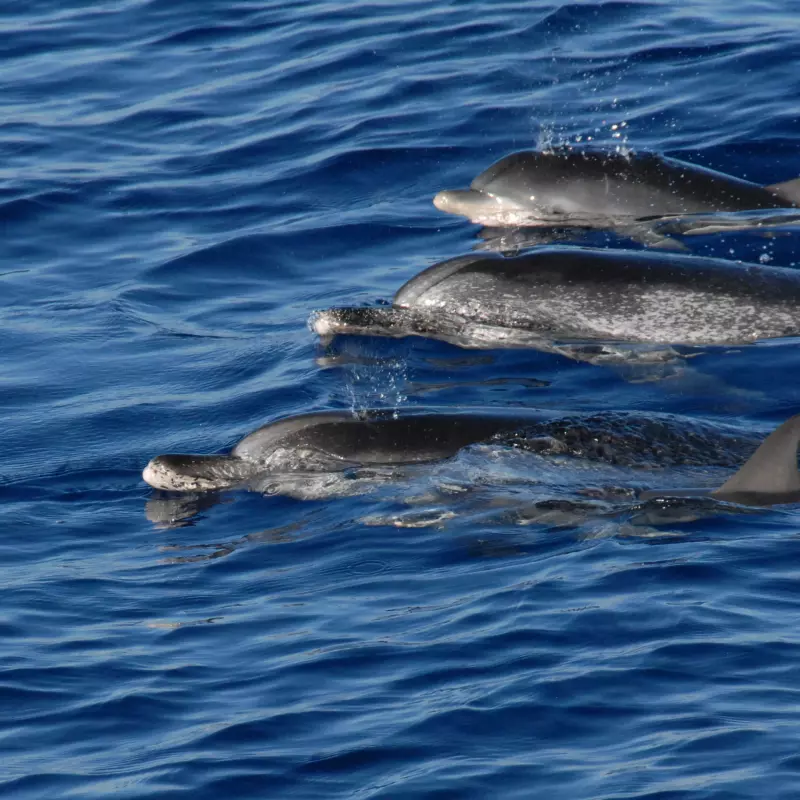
181	185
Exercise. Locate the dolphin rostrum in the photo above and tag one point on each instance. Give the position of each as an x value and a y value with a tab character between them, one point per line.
568	294
606	189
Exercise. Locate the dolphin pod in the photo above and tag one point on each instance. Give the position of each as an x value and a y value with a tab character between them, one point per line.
338	441
604	189
559	293
569	300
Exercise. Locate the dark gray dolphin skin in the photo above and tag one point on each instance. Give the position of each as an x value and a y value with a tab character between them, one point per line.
769	477
568	294
592	188
340	440
327	442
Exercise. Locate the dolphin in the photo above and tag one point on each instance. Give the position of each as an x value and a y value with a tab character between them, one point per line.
339	441
556	296
769	477
606	189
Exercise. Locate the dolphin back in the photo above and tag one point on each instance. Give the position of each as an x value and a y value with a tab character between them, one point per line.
263	441
417	286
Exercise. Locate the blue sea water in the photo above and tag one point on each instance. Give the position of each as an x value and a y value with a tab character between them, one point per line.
181	185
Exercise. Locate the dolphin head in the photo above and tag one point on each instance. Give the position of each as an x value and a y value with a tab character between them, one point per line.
527	188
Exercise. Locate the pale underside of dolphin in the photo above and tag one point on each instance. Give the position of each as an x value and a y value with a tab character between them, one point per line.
604	189
656	233
583	303
338	441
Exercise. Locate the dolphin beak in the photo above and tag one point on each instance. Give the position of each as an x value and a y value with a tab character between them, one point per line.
466	202
442	201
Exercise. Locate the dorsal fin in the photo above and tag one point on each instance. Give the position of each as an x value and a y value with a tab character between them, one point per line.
772	469
788	190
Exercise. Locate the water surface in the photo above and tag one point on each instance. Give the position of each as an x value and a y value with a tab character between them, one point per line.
181	186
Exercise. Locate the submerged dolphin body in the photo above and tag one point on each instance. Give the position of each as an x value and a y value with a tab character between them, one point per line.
560	295
331	442
604	189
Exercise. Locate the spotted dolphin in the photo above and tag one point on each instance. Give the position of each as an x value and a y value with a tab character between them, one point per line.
328	442
606	189
558	295
337	441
